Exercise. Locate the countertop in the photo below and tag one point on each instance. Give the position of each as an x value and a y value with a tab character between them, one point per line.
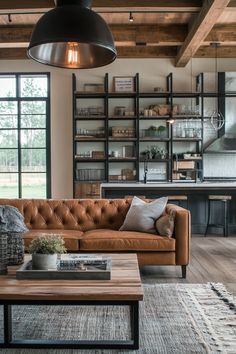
184	185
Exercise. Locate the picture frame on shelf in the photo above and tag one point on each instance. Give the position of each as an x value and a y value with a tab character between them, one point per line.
123	83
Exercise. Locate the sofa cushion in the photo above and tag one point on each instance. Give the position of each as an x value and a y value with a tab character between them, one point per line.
111	240
71	237
141	215
166	223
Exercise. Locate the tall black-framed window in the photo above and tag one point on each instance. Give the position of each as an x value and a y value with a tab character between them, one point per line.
25	167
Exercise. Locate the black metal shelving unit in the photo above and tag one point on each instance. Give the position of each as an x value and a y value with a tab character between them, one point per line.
136	120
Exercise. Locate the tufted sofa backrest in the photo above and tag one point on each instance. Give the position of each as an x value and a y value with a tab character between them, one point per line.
71	214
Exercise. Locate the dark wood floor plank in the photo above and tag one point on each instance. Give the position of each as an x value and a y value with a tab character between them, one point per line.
213	259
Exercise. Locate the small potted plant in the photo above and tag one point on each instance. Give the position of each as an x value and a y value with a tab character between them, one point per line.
161	131
44	250
152	131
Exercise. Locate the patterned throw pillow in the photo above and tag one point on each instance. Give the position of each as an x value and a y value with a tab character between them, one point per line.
165	224
141	215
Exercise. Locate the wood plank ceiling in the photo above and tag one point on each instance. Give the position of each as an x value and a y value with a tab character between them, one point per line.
178	29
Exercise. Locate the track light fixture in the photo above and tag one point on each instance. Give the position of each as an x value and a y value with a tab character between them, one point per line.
131	18
72	36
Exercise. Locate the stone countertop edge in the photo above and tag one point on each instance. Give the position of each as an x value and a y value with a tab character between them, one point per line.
170	185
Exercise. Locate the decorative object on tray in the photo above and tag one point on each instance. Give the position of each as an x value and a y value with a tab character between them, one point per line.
44	250
123	83
70	267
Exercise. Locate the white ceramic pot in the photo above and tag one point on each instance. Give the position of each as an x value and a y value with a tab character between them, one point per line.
44	261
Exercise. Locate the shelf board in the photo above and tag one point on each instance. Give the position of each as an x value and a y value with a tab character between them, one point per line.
89	139
186	94
154	94
187	116
122	117
90	117
154	139
154	117
89	159
186	139
122	94
122	181
154	160
122	159
186	170
122	139
184	181
82	94
90	181
190	159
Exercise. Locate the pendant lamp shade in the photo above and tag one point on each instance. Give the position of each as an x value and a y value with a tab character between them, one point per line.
72	36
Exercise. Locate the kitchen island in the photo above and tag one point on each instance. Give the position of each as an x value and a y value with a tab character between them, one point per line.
197	194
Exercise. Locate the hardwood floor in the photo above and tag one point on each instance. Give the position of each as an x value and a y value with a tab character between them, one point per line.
213	259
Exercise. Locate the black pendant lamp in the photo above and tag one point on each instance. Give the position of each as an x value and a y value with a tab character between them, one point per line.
72	36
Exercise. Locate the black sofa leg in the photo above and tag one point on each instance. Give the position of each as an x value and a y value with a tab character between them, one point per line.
184	271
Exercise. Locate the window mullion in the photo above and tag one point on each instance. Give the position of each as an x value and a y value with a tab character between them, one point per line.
19	135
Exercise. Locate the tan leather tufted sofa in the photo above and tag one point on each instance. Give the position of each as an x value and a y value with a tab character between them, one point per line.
89	225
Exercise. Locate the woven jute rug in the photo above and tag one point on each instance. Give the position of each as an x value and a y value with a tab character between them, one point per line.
174	319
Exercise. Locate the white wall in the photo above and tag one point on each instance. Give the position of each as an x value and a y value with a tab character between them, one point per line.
152	73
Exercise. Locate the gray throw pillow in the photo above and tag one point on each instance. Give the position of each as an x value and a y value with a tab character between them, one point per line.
142	216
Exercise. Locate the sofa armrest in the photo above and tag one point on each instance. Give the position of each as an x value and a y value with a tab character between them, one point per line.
182	233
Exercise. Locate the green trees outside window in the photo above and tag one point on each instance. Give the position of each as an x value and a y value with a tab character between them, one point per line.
24	136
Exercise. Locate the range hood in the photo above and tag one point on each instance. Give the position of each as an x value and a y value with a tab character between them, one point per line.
225	144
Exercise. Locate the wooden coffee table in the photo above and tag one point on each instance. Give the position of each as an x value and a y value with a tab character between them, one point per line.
124	289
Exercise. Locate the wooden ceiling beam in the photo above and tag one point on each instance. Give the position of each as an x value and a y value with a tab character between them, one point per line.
26	4
232	3
211	11
13	53
136	52
222	52
224	34
14	34
161	35
114	5
146	52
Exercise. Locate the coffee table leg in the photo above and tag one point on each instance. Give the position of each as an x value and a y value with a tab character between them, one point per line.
7	324
134	324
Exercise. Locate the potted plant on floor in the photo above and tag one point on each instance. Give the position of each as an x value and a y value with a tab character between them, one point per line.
44	250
